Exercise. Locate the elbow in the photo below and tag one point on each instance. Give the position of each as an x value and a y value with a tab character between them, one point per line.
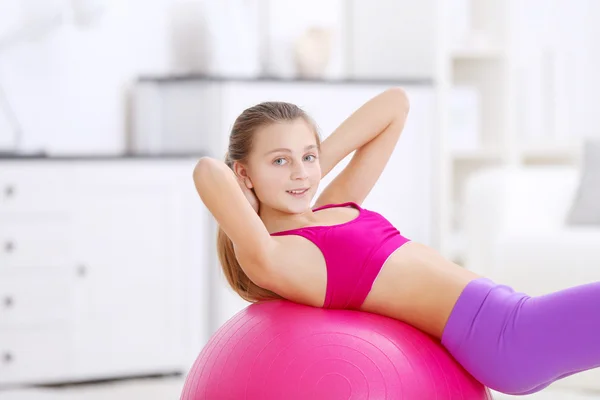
207	170
206	176
201	174
200	169
203	167
400	101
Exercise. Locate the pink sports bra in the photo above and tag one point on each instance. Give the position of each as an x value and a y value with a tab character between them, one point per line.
354	253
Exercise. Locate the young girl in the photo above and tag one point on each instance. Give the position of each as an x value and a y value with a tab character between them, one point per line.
273	245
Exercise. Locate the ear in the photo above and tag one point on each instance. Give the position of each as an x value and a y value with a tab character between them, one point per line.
241	171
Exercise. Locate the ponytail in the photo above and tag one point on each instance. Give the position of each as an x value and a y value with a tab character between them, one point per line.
236	277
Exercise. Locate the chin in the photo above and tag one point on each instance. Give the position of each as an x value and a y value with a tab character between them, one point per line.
292	208
296	206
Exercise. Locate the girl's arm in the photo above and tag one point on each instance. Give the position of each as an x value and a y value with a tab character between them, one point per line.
220	191
373	131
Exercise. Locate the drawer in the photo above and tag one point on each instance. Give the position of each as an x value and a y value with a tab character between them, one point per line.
34	189
30	356
35	244
35	297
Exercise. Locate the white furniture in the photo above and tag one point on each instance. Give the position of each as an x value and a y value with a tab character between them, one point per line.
517	235
102	270
472	60
197	113
531	64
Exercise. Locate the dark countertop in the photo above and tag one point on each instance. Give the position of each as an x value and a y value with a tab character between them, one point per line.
95	157
177	78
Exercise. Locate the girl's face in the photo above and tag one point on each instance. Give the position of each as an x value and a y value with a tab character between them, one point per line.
284	167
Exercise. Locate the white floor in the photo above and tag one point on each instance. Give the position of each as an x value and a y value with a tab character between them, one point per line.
550	394
147	389
170	388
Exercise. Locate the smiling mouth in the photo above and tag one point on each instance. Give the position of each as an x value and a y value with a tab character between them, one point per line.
297	192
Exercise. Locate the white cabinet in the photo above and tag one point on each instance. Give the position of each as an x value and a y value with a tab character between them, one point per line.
107	279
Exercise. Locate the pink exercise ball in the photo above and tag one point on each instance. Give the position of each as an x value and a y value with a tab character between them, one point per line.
279	350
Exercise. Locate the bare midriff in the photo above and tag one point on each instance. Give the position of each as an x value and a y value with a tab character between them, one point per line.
418	286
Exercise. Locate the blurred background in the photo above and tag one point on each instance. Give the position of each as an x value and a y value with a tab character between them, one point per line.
109	281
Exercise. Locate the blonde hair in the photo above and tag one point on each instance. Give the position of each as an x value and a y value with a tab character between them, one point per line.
240	145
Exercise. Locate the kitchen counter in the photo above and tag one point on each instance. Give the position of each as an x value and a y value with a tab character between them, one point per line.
95	157
177	78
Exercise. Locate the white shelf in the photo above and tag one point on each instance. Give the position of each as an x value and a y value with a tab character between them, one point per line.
479	61
551	152
488	47
474	53
455	245
478	155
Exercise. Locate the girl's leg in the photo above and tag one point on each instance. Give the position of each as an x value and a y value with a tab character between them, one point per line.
517	344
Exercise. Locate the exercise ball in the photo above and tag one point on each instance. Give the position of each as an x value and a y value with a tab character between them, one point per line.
280	350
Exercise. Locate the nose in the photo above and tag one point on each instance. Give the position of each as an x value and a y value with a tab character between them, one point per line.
299	172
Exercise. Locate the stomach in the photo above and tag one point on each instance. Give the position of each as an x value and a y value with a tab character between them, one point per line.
418	286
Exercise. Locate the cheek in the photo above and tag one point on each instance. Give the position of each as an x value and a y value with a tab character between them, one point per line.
266	181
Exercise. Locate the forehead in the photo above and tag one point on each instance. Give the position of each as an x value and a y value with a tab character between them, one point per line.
293	135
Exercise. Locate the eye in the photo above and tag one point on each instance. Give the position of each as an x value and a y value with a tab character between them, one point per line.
310	157
279	161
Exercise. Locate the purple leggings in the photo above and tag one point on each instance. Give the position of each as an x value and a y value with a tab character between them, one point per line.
517	344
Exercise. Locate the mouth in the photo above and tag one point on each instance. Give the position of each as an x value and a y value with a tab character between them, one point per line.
297	192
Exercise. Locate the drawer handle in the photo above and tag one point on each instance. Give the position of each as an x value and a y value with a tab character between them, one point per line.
9	191
8	302
9	247
7	358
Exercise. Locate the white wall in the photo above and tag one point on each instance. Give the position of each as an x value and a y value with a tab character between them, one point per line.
592	32
68	88
392	38
557	59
